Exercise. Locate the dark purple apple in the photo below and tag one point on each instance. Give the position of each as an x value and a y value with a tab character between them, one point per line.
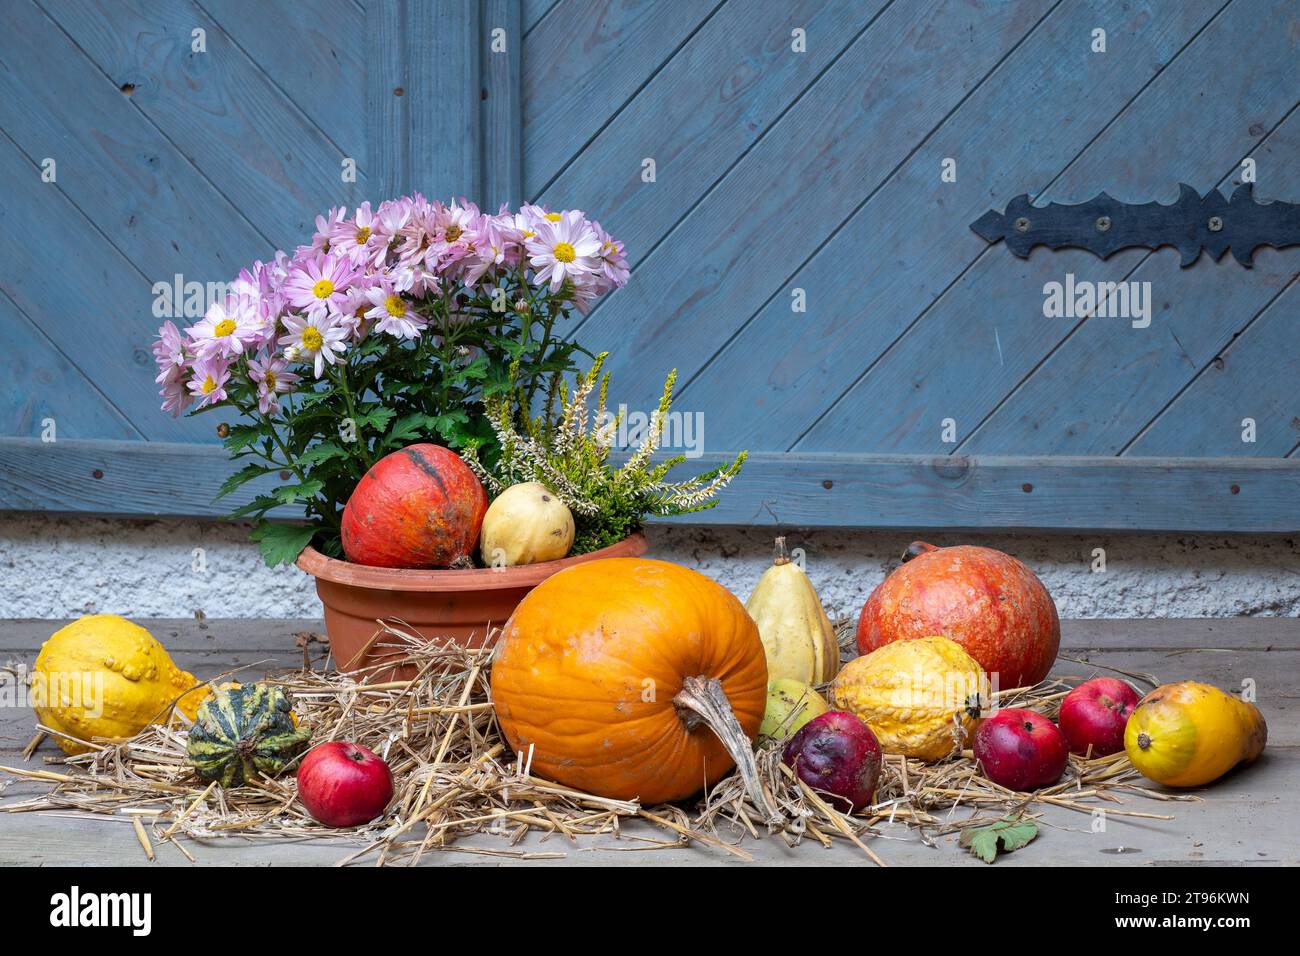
1021	749
837	754
1095	714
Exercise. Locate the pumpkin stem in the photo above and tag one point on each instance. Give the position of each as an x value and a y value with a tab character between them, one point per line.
782	555
703	701
918	548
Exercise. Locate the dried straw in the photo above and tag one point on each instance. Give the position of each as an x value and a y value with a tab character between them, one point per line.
455	776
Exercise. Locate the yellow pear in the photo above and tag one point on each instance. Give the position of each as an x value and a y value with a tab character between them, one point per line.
797	635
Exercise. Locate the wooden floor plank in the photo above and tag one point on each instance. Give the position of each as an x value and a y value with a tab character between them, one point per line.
1250	817
279	634
1247	818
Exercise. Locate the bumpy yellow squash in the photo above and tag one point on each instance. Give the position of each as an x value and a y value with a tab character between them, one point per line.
798	638
1189	734
919	697
103	676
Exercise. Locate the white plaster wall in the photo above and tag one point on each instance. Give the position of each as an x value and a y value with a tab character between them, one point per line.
62	567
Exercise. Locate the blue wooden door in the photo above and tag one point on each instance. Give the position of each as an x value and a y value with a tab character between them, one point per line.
794	181
803	260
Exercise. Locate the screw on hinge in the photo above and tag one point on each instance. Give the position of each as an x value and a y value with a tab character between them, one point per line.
1103	223
1215	223
1022	224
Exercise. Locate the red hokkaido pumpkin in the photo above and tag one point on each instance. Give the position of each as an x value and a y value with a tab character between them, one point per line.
420	507
632	679
988	602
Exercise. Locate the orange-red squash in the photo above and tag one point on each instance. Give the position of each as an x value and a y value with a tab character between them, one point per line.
988	602
632	679
419	507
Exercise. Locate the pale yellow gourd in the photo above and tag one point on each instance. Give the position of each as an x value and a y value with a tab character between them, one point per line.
104	677
526	524
798	637
919	697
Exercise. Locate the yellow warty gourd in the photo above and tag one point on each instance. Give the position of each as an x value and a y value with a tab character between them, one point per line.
526	524
1189	734
797	635
919	697
102	676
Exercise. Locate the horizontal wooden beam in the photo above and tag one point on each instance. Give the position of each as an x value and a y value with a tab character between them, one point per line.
787	490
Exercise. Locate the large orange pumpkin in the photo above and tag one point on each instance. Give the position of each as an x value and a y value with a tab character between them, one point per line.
632	679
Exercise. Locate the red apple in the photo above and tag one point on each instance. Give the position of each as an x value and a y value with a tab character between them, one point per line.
836	753
344	784
1095	714
1021	749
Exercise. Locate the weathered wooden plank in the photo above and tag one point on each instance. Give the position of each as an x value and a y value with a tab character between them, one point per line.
501	116
1255	378
718	96
422	98
37	383
909	241
314	52
95	308
777	206
534	10
1249	816
914	492
988	332
215	636
217	107
1109	379
1246	819
145	198
584	61
120	477
261	637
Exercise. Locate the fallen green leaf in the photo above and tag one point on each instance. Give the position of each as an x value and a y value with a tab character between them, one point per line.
1006	834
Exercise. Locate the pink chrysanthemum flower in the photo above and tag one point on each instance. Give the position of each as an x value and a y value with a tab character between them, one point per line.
273	379
613	261
566	248
174	393
318	285
325	226
227	328
208	384
386	230
169	349
413	280
450	232
393	314
494	244
352	239
317	340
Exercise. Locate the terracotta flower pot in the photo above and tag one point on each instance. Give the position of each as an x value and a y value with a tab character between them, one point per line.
462	605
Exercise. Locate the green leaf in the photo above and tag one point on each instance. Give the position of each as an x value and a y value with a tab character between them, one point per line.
281	543
1009	834
241	436
288	494
323	451
377	418
258	506
242	477
416	425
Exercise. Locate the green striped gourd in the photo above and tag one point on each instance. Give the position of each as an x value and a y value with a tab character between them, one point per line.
245	730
